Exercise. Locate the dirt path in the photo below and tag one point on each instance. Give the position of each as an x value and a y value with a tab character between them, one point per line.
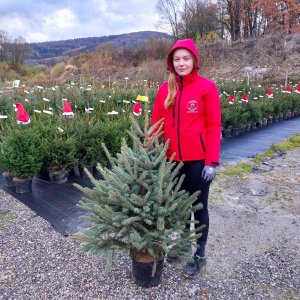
255	230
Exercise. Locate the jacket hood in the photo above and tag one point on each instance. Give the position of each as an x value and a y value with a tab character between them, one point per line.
186	44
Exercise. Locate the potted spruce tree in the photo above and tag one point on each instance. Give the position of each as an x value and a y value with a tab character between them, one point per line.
23	155
89	136
59	156
138	207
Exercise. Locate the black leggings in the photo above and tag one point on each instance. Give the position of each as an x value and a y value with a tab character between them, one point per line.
192	183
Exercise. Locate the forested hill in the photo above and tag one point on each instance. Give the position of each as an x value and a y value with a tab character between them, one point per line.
52	49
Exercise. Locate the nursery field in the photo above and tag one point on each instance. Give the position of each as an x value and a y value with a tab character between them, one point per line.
64	126
51	133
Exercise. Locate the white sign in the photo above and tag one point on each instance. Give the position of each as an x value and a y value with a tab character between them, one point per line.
16	83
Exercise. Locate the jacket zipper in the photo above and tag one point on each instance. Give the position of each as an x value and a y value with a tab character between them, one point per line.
202	143
173	112
178	127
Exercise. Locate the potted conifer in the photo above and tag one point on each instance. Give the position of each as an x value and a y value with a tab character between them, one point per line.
89	136
138	207
23	156
59	156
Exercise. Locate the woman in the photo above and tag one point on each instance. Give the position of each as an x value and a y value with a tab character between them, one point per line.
190	106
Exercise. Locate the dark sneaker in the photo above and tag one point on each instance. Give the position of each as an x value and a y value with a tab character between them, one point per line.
194	266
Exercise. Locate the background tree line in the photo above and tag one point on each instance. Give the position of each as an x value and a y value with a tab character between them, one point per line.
13	51
229	19
216	20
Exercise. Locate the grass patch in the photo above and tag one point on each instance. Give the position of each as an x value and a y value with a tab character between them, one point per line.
239	168
2	225
290	144
288	294
4	218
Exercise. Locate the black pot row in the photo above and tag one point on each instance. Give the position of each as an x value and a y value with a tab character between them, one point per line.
230	131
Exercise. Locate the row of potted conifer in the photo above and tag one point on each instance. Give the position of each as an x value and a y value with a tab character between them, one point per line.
63	143
245	116
51	147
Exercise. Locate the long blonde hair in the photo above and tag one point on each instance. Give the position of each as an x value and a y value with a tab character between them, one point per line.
172	90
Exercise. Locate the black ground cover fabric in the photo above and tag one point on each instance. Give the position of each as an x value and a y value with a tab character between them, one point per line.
247	145
57	203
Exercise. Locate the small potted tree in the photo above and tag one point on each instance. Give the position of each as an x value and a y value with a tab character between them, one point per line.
138	207
59	156
23	156
89	136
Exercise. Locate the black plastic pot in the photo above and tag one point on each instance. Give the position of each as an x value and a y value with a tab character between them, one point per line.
253	125
84	175
248	127
23	185
235	132
259	124
265	122
142	273
97	174
270	120
58	177
8	179
227	133
43	174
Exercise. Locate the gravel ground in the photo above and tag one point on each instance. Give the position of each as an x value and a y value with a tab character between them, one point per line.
253	250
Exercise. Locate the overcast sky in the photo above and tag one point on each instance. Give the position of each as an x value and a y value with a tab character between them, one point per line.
50	20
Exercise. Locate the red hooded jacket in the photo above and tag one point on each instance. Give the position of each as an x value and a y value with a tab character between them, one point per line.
193	123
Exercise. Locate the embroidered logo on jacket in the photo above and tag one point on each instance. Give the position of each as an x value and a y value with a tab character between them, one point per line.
192	106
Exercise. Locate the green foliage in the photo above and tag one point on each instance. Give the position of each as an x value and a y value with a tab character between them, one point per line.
278	105
256	112
239	168
5	218
113	134
4	155
235	116
89	134
5	105
138	207
90	130
21	151
256	109
58	150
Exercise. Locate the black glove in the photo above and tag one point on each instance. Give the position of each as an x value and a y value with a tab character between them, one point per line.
208	173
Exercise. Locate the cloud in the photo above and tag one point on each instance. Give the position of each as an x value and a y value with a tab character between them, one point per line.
46	20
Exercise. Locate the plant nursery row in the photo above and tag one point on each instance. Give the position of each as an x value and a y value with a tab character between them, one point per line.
53	142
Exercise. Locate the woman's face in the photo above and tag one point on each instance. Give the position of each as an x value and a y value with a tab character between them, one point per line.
183	62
